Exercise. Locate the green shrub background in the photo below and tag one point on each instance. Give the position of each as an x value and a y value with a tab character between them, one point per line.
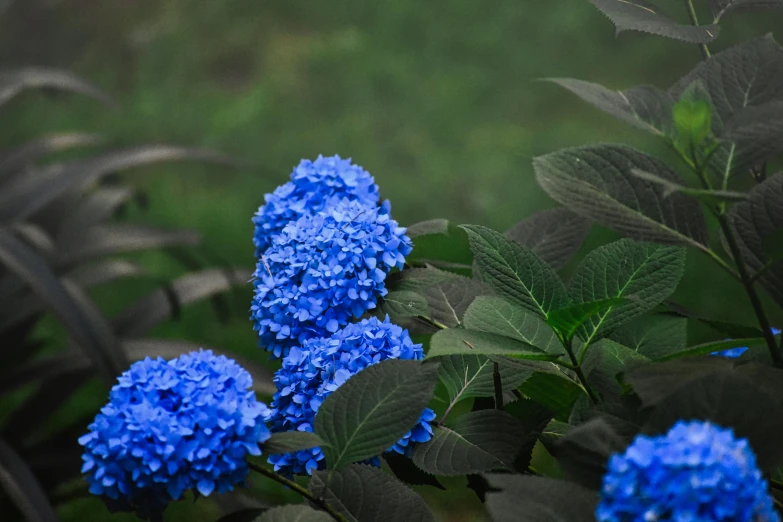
436	99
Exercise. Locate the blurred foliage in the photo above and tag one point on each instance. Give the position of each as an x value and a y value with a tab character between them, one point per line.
436	99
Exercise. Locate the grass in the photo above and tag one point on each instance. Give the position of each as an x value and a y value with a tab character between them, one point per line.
436	99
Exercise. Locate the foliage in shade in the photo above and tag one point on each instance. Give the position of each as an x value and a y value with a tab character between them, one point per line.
172	426
323	270
314	186
697	470
733	353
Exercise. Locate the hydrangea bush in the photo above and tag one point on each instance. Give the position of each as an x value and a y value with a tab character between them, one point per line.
561	385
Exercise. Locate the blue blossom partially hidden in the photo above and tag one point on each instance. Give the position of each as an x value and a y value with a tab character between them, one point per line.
323	270
310	373
733	353
313	187
696	472
172	426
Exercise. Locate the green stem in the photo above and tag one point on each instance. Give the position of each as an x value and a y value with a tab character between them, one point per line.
321	503
577	367
433	322
747	282
498	386
705	51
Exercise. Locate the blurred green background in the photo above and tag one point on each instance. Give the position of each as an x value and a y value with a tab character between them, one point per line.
437	99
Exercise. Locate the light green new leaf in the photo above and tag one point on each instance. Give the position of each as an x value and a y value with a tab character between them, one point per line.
643	273
374	409
515	272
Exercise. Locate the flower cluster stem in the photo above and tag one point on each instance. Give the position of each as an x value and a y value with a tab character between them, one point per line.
319	502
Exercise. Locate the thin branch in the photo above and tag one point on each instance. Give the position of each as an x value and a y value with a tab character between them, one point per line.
498	386
705	51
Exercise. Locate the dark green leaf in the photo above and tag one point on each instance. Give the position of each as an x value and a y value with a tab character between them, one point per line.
653	337
554	390
773	245
755	135
77	313
597	182
495	315
14	82
640	15
94	208
157	306
654	382
584	451
374	409
439	243
41	370
458	341
404	303
606	360
406	471
567	320
645	106
417	279
643	273
478	441
29	152
756	220
711	197
554	235
721	7
714	346
449	299
294	513
553	433
363	493
22	488
290	442
515	272
466	376
539	499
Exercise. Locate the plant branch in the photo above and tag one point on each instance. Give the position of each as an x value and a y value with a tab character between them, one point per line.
705	51
432	322
747	282
577	368
498	386
319	502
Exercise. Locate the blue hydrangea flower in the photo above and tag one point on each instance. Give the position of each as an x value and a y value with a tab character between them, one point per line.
323	270
310	373
696	472
733	353
314	185
171	426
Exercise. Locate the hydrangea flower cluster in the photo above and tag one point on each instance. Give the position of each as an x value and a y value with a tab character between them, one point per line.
172	426
733	353
310	373
322	270
314	186
696	472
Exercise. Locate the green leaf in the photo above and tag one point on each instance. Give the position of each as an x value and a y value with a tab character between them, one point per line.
653	337
417	279
374	409
643	273
458	341
553	433
584	451
406	471
294	513
710	197
23	489
466	376
567	320
363	493
640	15
645	106
714	346
441	244
554	235
515	272
721	7
597	182
554	390
496	315
449	299
478	441
291	441
540	499
755	135
404	303
606	360
692	116
756	220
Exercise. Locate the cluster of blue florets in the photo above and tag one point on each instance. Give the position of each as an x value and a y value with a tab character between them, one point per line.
172	426
734	353
323	270
317	368
696	472
314	186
